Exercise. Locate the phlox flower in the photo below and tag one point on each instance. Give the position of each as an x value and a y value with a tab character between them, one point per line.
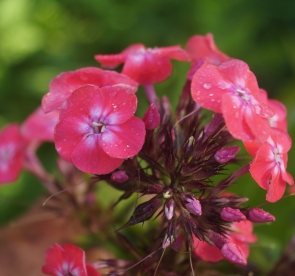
269	165
65	83
145	65
231	89
12	152
65	260
97	129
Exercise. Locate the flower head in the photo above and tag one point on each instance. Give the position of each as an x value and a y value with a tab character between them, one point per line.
145	65
97	129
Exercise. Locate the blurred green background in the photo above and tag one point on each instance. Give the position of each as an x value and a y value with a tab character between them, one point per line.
40	39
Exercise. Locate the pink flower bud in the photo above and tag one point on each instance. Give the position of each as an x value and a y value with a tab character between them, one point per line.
233	254
169	209
119	176
151	117
259	215
232	215
224	155
193	205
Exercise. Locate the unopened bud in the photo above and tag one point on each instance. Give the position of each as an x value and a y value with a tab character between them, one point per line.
259	215
233	254
153	189
232	215
224	155
169	209
167	241
193	205
119	176
151	117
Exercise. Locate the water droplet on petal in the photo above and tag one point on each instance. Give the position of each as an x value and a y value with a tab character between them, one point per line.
207	85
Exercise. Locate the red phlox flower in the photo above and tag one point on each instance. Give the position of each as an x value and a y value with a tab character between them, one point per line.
145	65
269	165
206	251
97	129
65	83
231	89
65	260
202	49
278	120
12	152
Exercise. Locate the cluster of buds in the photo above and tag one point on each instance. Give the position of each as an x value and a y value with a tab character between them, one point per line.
168	157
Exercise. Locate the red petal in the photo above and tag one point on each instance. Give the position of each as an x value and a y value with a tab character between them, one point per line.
208	87
147	68
282	139
277	187
199	46
252	147
120	103
172	52
40	126
54	260
262	166
74	257
110	61
12	152
88	156
207	252
125	140
65	83
69	132
91	271
234	115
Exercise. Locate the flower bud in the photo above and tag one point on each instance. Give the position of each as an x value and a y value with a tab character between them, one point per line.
193	205
224	155
259	215
232	215
169	209
151	117
167	241
119	176
152	189
233	254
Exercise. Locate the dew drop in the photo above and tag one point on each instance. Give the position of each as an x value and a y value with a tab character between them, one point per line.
207	85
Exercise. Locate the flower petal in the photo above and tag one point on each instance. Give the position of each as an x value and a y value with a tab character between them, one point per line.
125	140
88	156
277	187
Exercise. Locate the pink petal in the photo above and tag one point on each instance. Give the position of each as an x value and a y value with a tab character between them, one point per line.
199	46
147	68
208	87
243	232
88	156
75	258
65	83
91	271
40	126
120	103
69	132
124	140
234	115
172	52
262	166
12	152
276	188
207	252
54	260
282	139
252	147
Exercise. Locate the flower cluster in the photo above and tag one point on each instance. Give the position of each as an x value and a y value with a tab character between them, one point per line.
169	158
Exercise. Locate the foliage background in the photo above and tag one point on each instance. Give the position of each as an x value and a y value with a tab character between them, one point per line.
40	39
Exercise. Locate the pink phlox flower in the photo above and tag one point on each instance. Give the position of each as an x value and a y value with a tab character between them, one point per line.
231	89
202	49
12	152
206	251
145	65
65	260
65	83
269	165
97	128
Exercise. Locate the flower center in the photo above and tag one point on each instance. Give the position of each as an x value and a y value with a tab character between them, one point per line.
242	94
98	127
277	155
